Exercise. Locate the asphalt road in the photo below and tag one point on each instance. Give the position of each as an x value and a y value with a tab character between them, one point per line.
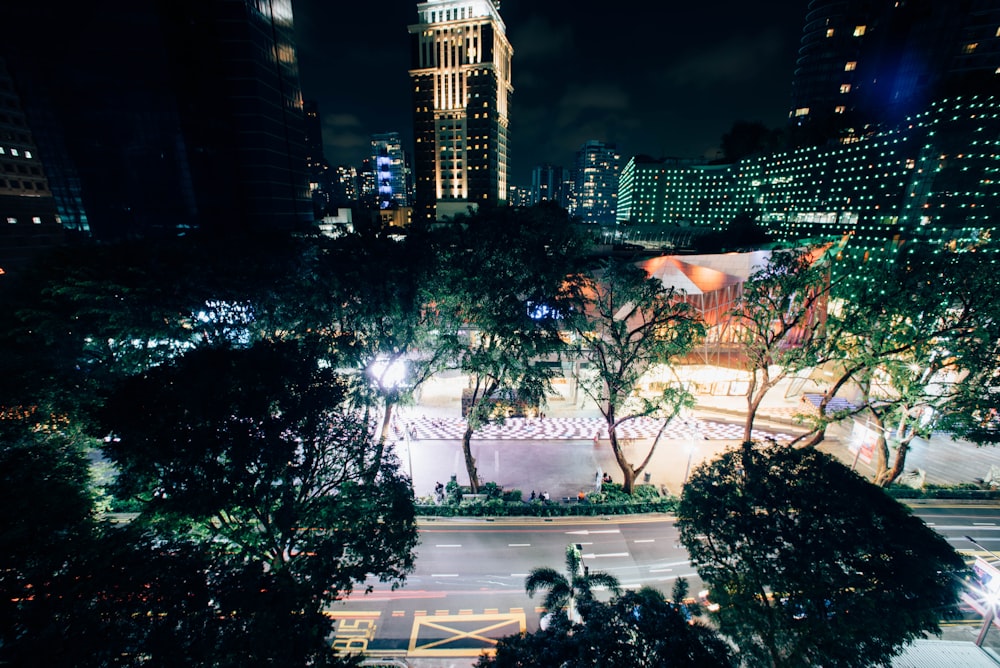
468	587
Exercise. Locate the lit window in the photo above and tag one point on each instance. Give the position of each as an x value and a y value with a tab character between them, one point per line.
845	88
851	66
11	220
36	220
859	31
829	32
839	109
14	152
970	47
802	111
2	151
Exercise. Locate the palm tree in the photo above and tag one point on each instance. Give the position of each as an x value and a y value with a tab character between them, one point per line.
567	592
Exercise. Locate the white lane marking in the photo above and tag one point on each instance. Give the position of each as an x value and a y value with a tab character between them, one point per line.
587	532
984	524
660	570
449	545
610	554
645	540
444	575
518	544
519	575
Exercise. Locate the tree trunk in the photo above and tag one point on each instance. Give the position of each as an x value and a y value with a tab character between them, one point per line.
628	473
752	405
470	461
889	475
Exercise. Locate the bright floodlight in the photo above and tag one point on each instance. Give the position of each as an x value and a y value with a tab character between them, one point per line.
388	374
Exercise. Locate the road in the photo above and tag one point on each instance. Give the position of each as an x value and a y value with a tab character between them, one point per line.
468	587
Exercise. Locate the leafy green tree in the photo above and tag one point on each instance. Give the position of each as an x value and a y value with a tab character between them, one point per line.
809	563
498	300
570	590
779	319
912	345
372	288
634	629
253	454
628	325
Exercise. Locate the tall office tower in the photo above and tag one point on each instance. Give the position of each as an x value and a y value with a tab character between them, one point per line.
549	183
390	170
29	225
461	95
345	186
368	184
175	115
317	168
597	168
867	64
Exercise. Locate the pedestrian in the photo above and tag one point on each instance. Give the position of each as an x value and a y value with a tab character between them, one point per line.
545	496
532	495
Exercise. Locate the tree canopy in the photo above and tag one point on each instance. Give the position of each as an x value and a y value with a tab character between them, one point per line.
809	563
629	324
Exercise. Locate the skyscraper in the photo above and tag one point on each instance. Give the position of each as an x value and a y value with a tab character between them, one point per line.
550	183
461	95
866	64
390	170
29	225
597	167
175	115
317	168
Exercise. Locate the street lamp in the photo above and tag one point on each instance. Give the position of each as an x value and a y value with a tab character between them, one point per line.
991	591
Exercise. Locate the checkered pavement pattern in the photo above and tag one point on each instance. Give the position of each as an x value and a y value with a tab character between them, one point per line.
578	428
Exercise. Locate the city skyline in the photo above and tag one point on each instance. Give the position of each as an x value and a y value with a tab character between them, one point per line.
662	85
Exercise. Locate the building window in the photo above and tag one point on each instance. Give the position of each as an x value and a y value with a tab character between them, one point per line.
859	31
36	220
829	32
851	66
14	152
839	109
845	88
802	111
970	47
11	220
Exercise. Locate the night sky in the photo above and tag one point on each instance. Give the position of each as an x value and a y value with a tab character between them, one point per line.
667	81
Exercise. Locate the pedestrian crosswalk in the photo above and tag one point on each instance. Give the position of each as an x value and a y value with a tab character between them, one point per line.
577	428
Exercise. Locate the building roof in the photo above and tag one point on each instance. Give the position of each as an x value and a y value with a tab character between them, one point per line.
691	278
938	653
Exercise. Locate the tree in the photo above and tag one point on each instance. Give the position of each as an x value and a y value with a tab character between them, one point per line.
779	319
568	591
912	343
253	454
639	629
809	563
372	288
629	324
498	300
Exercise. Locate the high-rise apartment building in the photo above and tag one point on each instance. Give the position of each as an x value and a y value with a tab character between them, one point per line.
317	168
461	78
597	170
389	161
869	63
551	183
173	115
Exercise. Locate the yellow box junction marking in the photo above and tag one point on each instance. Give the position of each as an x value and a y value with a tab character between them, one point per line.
461	635
352	631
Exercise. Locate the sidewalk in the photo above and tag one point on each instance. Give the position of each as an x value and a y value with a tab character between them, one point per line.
559	454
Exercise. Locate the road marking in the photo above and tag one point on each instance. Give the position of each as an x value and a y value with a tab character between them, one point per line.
609	554
444	575
461	635
984	524
518	544
660	570
645	540
448	545
519	575
677	563
587	532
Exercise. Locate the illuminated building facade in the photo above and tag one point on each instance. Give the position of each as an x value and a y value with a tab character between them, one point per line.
597	174
866	64
389	162
175	115
935	177
461	76
317	168
29	225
